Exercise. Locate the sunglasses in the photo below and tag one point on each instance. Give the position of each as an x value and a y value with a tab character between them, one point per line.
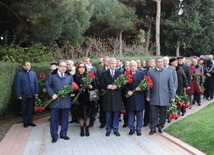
81	66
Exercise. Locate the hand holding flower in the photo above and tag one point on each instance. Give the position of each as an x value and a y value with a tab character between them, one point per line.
113	87
138	89
54	97
130	93
109	86
90	86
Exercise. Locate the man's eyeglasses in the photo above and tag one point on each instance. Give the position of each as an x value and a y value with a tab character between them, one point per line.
62	66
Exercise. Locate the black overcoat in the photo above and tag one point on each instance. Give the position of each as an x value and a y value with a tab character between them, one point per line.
112	100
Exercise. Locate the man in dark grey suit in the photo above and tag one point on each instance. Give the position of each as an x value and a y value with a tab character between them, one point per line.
160	93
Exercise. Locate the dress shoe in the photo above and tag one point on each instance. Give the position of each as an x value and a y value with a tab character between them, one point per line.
102	126
152	132
108	133
72	121
160	129
117	133
54	140
199	104
131	132
31	124
65	137
145	125
125	125
139	133
25	125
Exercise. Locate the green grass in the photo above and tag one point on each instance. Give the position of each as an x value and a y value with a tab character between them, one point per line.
196	130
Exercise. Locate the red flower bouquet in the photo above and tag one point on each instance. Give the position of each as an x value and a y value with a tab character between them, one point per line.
172	111
121	80
86	81
182	101
145	84
63	92
38	105
201	90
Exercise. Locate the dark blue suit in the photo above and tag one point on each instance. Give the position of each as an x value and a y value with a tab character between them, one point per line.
136	102
26	84
59	106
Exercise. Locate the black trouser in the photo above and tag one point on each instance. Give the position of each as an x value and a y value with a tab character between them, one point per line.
73	113
197	98
102	114
156	111
146	113
27	110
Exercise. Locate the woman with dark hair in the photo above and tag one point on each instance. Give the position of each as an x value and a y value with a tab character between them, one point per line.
85	109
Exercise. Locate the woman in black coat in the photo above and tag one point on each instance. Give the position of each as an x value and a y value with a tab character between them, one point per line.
85	109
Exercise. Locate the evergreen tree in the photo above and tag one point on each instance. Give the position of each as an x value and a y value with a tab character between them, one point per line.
58	20
116	15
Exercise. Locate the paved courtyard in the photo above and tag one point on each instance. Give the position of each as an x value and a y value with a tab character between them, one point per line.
37	141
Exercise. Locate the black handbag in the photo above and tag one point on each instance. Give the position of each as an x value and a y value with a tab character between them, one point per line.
93	95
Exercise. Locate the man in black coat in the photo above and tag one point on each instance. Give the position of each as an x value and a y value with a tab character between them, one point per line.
112	99
98	78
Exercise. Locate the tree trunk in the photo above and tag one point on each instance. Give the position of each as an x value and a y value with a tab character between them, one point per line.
157	37
121	43
148	39
177	49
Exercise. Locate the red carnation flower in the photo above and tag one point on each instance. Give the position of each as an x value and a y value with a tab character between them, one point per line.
91	75
75	86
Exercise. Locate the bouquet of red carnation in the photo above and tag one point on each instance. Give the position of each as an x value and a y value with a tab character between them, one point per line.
38	105
86	81
201	90
129	75
145	84
123	110
121	80
172	111
182	101
63	92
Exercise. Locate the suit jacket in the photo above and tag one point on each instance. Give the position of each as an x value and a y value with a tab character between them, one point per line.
53	85
136	102
163	88
187	72
112	100
182	80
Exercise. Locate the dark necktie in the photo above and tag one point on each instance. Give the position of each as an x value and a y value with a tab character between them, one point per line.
61	75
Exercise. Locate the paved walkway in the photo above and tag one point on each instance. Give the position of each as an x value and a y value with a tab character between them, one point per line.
37	141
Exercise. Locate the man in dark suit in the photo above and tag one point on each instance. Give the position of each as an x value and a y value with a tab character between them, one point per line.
151	65
98	78
60	106
112	99
136	100
27	89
